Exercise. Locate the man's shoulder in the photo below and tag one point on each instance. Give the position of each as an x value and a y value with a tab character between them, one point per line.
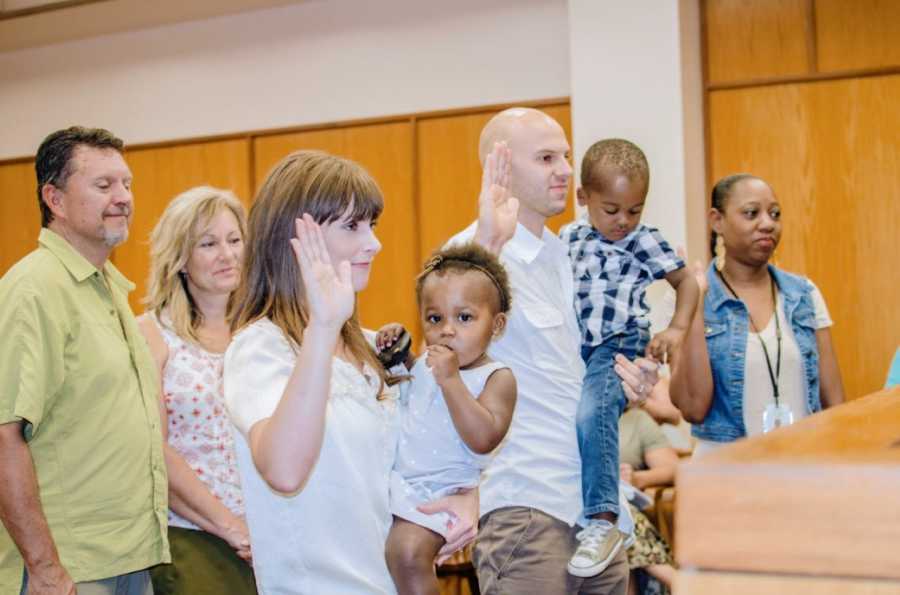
466	235
35	273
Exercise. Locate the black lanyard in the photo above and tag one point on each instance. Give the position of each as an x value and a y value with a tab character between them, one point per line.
776	375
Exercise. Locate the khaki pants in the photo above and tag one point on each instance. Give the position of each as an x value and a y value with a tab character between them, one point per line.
523	551
133	583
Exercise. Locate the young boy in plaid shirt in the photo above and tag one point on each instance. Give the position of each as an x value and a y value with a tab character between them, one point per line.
614	258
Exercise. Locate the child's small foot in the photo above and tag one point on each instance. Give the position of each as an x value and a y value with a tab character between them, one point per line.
599	543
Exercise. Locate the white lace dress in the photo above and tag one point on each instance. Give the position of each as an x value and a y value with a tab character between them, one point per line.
329	537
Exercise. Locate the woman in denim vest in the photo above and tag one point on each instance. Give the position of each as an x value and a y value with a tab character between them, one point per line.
761	356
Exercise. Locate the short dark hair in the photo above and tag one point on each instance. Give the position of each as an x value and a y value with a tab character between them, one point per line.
615	155
53	163
461	258
719	196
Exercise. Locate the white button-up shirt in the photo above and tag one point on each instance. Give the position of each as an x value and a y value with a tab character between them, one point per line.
538	465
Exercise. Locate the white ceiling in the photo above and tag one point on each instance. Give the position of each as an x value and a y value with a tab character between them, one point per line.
93	19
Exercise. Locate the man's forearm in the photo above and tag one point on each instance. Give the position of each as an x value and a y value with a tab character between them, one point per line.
20	505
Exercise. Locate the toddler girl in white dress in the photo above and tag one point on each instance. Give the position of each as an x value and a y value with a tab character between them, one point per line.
459	404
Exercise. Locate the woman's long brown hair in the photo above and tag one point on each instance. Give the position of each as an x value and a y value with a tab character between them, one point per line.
327	187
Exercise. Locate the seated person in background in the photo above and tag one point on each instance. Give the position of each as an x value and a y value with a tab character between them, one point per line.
659	406
195	259
614	258
647	460
459	404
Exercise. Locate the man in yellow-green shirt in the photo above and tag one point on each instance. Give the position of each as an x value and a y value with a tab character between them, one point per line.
83	496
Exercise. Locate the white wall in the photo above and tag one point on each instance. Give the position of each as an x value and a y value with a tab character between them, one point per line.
636	74
632	69
313	62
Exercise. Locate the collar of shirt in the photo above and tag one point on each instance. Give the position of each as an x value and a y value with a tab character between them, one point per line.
526	246
583	230
77	265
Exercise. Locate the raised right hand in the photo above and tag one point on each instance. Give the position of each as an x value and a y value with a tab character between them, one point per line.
329	294
498	210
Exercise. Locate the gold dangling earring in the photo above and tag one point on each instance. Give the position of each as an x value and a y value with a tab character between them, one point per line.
720	252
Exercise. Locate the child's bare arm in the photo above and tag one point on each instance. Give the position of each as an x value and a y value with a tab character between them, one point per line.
686	293
664	344
483	422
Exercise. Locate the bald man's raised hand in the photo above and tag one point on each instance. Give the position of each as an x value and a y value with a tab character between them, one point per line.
498	210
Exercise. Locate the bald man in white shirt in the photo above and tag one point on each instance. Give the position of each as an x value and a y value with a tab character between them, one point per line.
531	491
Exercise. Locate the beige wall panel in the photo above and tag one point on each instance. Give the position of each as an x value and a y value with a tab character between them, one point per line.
386	151
751	39
20	217
858	34
831	152
162	173
450	174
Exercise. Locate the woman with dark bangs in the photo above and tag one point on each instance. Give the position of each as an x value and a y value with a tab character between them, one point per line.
317	423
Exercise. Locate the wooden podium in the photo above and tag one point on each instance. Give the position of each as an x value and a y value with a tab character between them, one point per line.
813	508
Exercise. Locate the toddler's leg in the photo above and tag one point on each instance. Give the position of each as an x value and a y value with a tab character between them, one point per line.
410	552
601	405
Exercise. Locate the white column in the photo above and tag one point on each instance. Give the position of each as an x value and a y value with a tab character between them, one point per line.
636	74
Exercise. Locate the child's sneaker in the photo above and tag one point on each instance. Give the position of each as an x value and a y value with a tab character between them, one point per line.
599	543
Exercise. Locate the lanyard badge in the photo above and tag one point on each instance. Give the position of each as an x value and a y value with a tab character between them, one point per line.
776	416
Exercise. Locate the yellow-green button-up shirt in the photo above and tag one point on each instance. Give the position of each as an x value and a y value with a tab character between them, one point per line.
76	369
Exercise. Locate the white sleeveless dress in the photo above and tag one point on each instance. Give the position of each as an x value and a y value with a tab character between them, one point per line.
432	459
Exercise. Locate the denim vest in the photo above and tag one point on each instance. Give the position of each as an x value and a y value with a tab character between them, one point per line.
726	325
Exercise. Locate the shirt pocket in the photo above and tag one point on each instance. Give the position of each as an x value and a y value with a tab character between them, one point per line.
548	339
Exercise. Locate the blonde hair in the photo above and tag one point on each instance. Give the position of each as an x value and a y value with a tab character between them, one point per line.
326	187
171	243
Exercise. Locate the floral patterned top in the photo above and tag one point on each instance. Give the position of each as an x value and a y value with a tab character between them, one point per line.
199	428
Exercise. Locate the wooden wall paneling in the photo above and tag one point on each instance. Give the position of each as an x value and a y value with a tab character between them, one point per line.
386	151
862	34
754	39
162	173
828	151
449	174
20	216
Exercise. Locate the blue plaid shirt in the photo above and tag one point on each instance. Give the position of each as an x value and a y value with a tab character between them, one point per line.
612	277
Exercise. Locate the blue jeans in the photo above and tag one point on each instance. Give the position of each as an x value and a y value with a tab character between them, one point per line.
597	421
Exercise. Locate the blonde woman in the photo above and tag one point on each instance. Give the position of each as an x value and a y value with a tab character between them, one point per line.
317	425
196	251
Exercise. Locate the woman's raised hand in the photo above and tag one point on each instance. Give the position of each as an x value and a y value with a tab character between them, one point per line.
329	293
498	210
